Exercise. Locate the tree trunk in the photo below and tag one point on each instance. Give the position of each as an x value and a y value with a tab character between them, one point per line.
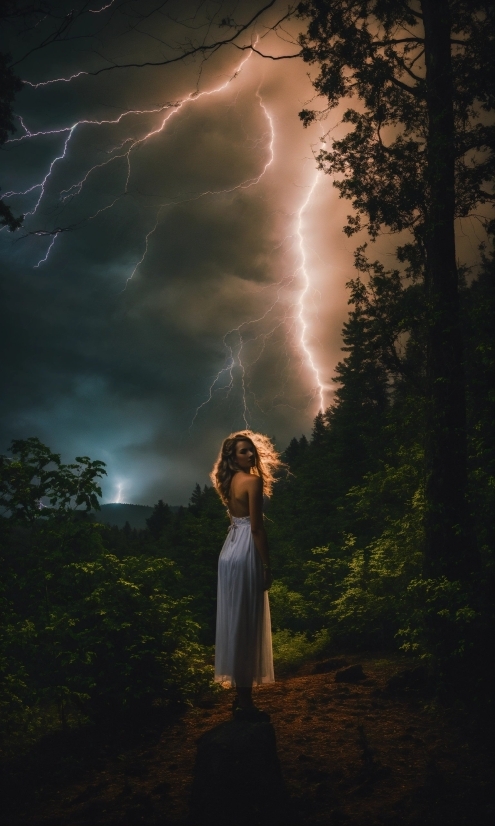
447	535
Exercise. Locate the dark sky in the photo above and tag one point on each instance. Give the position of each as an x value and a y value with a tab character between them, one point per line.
211	243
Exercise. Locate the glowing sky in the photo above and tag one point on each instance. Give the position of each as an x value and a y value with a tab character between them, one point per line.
203	285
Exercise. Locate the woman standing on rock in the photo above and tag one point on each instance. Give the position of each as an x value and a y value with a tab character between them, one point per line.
241	475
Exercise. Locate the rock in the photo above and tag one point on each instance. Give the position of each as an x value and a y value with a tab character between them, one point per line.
352	674
329	665
237	778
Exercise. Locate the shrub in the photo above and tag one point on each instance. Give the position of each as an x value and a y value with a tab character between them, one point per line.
124	641
290	650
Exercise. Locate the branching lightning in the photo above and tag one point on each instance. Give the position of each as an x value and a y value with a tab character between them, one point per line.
76	188
234	358
287	314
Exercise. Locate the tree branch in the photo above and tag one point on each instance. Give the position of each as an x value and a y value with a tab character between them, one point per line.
410	73
411	89
267	56
401	40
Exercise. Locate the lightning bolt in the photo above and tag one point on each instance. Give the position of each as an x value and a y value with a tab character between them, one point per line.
103	8
306	287
295	313
50	247
234	359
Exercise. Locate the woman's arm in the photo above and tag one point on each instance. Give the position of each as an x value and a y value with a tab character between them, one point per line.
255	497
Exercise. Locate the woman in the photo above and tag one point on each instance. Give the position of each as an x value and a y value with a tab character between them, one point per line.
241	475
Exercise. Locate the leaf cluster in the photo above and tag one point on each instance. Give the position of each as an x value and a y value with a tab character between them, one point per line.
35	484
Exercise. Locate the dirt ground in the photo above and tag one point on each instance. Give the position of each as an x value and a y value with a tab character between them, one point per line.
356	754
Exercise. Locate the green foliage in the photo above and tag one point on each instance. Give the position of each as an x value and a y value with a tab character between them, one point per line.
288	609
193	539
440	620
357	589
82	627
124	641
34	474
292	649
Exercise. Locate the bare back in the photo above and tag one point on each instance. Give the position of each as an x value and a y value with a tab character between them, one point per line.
246	488
239	495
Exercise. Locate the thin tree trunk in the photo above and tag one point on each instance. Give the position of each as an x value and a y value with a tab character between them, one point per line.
447	542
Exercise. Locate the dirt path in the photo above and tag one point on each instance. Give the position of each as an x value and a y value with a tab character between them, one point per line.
351	754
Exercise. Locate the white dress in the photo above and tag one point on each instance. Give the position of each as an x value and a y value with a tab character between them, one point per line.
243	644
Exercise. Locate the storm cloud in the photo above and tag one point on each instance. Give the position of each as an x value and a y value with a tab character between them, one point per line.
184	264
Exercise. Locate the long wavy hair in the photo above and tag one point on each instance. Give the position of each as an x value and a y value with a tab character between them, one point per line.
267	462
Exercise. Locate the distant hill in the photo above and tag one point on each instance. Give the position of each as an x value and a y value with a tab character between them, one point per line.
118	514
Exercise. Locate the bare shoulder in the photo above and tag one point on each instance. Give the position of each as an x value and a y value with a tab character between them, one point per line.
247	482
254	483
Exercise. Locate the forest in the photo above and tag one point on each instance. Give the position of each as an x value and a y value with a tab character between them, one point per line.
100	620
381	527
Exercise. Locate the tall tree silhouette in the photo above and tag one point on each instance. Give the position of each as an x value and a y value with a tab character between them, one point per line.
419	153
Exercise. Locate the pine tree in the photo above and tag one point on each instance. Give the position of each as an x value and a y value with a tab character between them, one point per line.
196	499
160	519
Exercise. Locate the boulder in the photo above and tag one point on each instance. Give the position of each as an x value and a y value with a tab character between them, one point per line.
237	778
352	674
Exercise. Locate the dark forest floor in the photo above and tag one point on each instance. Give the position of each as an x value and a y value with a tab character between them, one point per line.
351	754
